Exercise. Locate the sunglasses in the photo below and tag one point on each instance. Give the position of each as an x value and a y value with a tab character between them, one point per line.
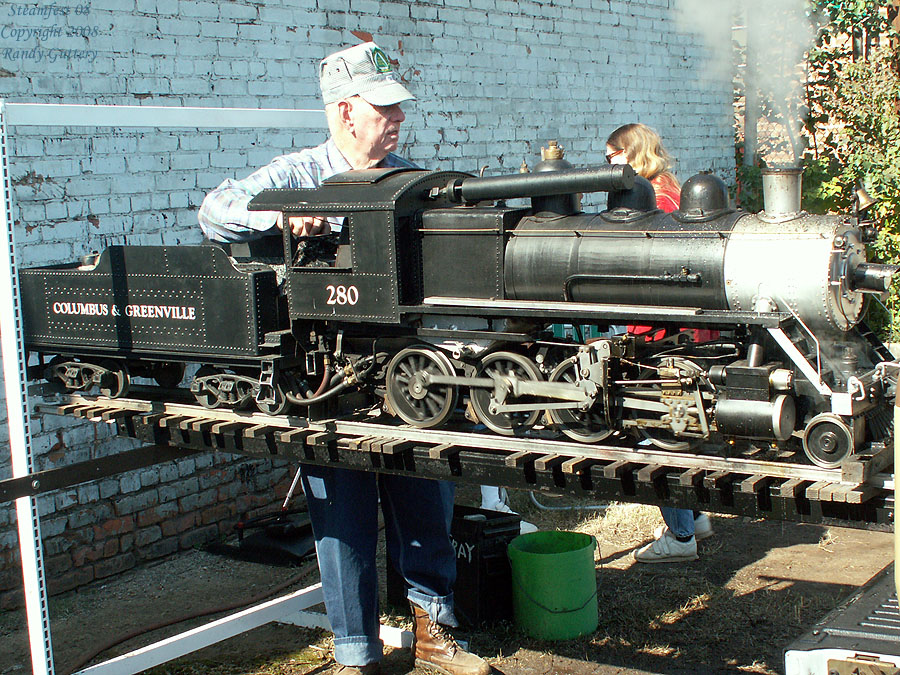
609	157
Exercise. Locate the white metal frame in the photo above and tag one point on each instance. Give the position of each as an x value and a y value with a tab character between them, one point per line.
290	608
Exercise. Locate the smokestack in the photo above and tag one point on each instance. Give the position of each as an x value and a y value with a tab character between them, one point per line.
781	191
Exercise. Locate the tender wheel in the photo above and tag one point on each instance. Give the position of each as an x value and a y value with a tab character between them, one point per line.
280	405
206	391
500	365
583	426
828	440
115	381
415	402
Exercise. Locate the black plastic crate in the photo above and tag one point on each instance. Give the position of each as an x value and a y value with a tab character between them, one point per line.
483	591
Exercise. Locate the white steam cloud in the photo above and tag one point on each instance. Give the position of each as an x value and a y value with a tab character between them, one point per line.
776	35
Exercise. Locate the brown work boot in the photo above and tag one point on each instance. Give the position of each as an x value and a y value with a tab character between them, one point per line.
434	648
368	669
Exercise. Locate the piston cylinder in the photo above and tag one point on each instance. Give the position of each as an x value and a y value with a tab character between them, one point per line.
757	419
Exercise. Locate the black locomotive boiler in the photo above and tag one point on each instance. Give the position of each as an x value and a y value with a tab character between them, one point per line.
435	297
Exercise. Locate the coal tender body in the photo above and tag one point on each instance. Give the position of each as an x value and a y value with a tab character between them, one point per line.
435	299
148	311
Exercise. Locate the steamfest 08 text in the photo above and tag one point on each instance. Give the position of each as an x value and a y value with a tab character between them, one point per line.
28	41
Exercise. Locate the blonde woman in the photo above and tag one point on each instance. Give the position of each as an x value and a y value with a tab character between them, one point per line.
641	147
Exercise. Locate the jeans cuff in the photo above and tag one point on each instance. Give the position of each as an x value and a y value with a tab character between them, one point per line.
357	651
439	608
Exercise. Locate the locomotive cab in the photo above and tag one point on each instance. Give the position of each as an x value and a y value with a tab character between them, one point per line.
378	268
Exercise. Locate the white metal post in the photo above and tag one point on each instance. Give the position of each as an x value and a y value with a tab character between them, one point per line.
19	423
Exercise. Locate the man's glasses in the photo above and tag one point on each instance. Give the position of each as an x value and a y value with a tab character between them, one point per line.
609	157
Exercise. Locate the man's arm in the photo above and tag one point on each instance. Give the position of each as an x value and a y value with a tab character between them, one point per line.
224	216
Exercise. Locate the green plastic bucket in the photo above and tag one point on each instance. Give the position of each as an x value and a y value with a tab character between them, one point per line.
554	584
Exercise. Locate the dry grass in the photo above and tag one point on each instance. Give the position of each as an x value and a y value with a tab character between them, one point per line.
732	611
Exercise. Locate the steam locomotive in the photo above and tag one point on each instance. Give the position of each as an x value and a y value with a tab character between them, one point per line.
434	302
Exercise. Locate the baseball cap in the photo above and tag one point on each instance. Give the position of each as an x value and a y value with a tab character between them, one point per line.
363	70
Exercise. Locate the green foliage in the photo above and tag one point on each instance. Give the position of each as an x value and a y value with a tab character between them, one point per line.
849	17
860	101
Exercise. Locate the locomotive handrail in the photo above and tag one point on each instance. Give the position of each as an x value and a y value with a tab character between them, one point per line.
693	279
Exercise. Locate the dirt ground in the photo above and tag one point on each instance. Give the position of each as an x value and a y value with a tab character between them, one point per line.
757	586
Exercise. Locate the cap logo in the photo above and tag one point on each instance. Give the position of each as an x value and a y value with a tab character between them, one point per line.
382	64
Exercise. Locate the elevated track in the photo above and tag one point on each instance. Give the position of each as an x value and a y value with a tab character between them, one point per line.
859	494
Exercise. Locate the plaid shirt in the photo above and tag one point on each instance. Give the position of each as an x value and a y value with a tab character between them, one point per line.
224	216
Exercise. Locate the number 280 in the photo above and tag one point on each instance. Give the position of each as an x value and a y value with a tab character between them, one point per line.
342	295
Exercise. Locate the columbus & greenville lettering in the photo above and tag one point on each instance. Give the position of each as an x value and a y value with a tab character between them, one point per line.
177	312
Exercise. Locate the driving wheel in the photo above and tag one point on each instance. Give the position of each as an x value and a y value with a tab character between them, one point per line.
499	366
409	393
585	426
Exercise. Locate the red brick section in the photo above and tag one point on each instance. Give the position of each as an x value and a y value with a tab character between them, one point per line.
146	517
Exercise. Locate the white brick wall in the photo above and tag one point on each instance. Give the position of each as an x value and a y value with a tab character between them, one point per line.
495	80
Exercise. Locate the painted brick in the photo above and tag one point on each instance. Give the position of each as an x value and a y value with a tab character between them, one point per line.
147	536
66	498
159	549
136	502
106	568
129	483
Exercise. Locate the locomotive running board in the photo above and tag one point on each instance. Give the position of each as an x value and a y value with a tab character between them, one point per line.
744	486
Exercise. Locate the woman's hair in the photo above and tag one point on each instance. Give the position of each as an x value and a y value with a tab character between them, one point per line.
644	149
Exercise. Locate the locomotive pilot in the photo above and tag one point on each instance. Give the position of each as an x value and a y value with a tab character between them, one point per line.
362	97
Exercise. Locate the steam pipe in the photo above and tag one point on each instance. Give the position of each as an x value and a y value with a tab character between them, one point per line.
541	184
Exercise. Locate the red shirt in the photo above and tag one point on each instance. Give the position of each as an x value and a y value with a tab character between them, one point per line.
668	195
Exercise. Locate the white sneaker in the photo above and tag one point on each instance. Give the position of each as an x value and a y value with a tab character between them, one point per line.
667	549
502	507
702	528
527	528
524	526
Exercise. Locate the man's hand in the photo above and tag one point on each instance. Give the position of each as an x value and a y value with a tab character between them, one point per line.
305	226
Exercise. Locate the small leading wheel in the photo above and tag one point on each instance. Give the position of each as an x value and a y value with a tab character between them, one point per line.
497	366
587	426
828	440
411	397
205	387
115	381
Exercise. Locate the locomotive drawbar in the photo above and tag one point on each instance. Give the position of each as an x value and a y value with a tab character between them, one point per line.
433	299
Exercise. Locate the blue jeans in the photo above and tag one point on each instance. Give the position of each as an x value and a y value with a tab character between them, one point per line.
679	521
343	508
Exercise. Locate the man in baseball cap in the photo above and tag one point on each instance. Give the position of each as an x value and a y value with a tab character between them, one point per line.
362	95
